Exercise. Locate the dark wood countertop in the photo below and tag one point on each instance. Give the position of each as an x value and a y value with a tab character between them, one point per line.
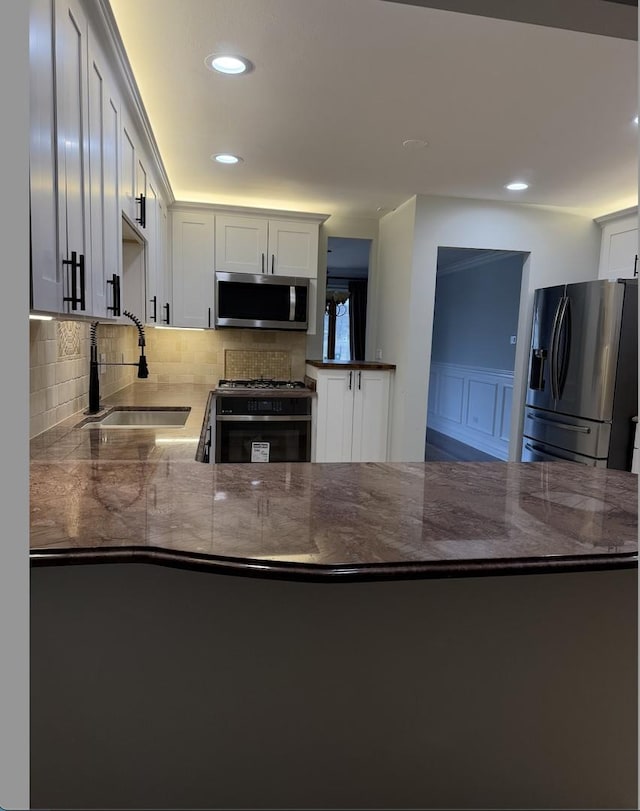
138	494
351	364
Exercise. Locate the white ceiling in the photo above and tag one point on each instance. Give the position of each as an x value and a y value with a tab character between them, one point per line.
338	85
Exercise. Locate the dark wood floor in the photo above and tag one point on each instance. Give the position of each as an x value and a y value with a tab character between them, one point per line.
442	448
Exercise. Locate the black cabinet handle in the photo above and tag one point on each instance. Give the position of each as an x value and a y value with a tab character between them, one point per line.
273	259
142	218
209	316
83	305
154	301
71	283
350	378
262	271
76	264
359	380
635	266
166	308
115	281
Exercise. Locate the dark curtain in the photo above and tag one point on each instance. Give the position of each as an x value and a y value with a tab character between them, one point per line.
357	317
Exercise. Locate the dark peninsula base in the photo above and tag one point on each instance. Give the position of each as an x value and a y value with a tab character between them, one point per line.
154	687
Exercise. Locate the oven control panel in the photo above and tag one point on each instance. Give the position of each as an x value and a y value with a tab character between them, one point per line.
278	406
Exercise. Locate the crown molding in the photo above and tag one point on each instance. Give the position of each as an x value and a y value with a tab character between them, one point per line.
100	12
483	258
248	211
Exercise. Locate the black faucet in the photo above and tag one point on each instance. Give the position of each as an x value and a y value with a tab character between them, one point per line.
94	382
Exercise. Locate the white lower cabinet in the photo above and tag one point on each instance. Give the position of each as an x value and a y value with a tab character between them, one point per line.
352	414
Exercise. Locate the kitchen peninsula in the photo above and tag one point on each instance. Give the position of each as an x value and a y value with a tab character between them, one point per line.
402	625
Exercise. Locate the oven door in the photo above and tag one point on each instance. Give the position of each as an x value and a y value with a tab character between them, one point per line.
253	438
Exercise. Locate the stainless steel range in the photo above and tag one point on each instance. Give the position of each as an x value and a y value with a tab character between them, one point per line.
262	421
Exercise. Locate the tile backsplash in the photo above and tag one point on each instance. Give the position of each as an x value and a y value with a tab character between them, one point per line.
59	361
246	364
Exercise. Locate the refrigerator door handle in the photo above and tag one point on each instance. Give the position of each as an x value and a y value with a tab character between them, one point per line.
544	451
580	429
564	336
555	342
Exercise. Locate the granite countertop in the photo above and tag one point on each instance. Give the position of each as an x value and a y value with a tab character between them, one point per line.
139	494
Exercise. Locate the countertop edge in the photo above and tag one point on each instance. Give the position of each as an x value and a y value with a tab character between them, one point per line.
284	570
377	365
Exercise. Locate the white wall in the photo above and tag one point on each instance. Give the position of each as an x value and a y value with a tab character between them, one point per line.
356	227
393	308
563	248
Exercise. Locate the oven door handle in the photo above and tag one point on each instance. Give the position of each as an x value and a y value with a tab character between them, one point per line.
262	418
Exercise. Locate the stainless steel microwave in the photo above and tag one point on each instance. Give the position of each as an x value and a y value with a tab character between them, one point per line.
261	301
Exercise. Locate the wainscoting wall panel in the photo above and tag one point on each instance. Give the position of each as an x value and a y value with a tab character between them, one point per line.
472	405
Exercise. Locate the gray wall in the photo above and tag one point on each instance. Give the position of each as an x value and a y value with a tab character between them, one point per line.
476	310
154	687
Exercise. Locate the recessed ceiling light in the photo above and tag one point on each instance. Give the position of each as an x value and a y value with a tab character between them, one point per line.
414	143
517	186
230	65
225	157
635	120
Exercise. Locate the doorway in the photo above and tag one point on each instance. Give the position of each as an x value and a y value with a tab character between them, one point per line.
345	316
473	350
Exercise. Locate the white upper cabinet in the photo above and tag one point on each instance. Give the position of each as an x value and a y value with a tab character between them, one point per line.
241	244
128	170
192	267
158	308
46	271
293	249
263	245
134	175
90	174
619	248
72	124
104	185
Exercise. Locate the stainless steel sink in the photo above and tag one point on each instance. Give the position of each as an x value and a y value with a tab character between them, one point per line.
142	418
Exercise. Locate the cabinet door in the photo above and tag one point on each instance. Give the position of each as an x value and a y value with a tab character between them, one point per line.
241	244
46	271
104	185
619	250
158	278
293	249
155	288
334	415
128	170
72	152
193	258
141	193
165	301
370	416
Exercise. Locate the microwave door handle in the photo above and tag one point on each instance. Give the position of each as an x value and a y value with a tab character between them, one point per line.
292	302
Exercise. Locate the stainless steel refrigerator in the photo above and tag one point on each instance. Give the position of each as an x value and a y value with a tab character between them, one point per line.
582	390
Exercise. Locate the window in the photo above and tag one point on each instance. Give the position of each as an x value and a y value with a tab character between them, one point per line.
342	341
